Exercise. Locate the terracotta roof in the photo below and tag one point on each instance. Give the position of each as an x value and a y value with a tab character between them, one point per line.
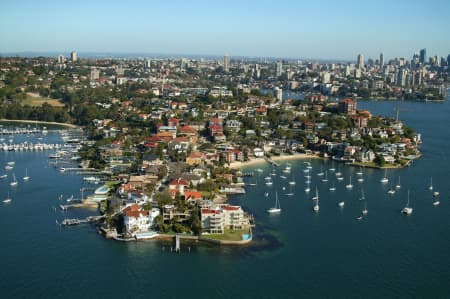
187	129
179	182
210	211
191	194
230	208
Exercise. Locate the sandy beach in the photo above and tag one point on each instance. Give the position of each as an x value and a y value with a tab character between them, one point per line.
255	161
39	122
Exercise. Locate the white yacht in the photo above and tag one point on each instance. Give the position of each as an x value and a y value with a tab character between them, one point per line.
316	198
26	177
391	191
384	180
398	186
407	209
332	188
325	179
277	207
360	171
8	199
349	185
14	182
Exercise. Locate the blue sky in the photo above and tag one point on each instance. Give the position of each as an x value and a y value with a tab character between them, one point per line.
297	29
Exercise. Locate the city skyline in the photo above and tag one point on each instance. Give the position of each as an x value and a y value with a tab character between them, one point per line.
288	29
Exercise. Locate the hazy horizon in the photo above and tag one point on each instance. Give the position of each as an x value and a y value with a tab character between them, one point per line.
323	30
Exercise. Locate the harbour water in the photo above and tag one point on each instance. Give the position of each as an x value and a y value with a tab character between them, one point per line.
295	254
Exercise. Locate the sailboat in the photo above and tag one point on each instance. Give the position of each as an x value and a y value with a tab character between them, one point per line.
321	171
384	180
360	171
365	210
7	199
316	206
14	181
332	169
26	177
391	191
349	185
436	202
431	184
407	209
307	189
274	172
341	204
332	188
398	186
338	173
290	191
277	207
292	182
325	179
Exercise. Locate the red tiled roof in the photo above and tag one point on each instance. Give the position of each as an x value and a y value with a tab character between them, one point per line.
210	211
187	129
179	182
191	194
230	208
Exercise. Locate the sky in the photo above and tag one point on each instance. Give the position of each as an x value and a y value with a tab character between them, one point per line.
315	29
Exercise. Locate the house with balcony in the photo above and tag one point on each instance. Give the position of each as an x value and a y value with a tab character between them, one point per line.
135	219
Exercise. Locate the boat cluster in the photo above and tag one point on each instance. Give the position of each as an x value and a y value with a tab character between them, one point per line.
324	179
27	146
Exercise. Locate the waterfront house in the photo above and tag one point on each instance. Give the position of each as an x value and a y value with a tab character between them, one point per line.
217	218
135	219
212	221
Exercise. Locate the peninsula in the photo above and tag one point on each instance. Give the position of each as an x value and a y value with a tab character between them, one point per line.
172	135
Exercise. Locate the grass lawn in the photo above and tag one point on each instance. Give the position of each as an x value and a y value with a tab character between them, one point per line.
229	235
37	101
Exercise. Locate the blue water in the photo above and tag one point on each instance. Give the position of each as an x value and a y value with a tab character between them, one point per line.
296	254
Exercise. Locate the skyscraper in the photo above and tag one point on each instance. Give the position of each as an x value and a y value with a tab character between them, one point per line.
61	59
381	60
279	68
226	62
73	56
278	93
423	56
360	61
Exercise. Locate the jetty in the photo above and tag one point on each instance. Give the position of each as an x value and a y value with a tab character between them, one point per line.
271	161
75	221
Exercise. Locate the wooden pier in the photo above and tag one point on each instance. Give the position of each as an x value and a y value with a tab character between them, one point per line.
271	161
75	221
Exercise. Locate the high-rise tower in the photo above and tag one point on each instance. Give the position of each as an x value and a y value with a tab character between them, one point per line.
360	61
423	56
226	62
